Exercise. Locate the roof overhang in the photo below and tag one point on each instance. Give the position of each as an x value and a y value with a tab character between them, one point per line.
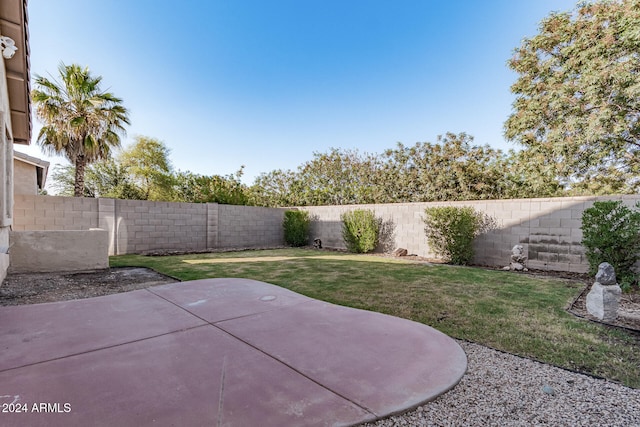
14	24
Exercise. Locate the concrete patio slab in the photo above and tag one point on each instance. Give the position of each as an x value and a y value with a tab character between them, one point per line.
382	363
221	299
40	332
199	377
148	358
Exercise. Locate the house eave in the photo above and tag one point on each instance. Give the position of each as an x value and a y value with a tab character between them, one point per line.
14	24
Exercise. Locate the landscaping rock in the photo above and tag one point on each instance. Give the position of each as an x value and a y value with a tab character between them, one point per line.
516	266
400	252
517	259
603	301
606	274
547	389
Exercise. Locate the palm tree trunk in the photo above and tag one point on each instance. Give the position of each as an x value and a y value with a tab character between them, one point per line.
78	189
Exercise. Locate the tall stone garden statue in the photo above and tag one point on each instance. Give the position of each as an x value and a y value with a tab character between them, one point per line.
604	298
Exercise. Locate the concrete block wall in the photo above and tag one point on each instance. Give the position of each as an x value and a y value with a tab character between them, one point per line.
249	226
143	226
547	228
212	225
136	226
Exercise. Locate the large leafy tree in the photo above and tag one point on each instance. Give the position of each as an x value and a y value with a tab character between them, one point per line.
81	121
143	171
339	177
455	168
140	171
277	188
105	178
196	188
577	107
452	169
147	163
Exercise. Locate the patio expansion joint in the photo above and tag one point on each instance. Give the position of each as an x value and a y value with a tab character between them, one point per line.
270	356
348	399
101	348
230	318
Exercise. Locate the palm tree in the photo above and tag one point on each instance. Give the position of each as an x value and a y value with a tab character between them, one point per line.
81	122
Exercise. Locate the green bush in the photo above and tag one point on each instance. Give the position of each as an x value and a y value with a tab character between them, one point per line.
360	230
611	233
296	227
451	230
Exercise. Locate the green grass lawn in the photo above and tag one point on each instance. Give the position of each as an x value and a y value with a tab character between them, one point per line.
521	314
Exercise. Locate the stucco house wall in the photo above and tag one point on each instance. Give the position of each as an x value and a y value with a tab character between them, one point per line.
15	108
48	251
24	178
6	171
29	174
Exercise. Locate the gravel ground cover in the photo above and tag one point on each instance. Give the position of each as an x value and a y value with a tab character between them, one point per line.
500	389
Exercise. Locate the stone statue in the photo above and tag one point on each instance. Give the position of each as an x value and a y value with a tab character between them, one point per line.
604	298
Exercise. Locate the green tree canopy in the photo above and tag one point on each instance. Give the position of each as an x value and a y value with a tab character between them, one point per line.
105	178
80	120
452	169
277	188
577	107
143	171
147	163
195	188
338	177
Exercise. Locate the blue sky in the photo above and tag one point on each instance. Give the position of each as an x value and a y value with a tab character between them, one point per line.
266	83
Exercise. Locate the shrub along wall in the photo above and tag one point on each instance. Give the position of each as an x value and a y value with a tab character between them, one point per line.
549	229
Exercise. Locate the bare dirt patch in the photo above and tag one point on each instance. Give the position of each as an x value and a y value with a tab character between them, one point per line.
35	288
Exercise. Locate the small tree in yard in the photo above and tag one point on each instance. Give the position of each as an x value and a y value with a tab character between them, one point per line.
296	227
451	230
611	233
360	230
